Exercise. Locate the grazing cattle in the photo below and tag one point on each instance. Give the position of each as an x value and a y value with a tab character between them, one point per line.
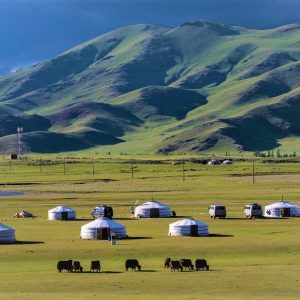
187	263
65	265
77	266
175	265
133	264
201	264
95	266
167	262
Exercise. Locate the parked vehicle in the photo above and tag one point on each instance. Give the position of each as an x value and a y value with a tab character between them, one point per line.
102	211
217	211
253	211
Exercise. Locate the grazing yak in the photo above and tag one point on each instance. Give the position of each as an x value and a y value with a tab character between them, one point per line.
201	264
95	266
187	263
167	262
133	264
77	267
175	265
65	265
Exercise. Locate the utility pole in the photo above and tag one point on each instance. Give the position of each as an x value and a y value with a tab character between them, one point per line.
93	166
253	173
64	166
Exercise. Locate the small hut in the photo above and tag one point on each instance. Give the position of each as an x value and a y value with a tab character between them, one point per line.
152	209
188	227
7	234
102	229
61	213
282	209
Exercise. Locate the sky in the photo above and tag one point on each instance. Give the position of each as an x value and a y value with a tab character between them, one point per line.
35	30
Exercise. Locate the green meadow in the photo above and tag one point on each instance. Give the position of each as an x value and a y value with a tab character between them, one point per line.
249	259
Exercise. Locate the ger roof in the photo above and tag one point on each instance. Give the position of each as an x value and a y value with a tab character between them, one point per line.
188	222
5	227
61	208
153	204
282	204
103	223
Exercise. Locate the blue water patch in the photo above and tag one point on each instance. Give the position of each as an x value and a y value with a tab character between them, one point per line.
10	193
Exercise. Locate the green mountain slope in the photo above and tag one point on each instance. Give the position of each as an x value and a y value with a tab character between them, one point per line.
201	86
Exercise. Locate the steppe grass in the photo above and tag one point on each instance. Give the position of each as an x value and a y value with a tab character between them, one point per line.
257	259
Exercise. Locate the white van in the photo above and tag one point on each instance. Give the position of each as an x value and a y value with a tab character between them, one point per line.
217	211
253	211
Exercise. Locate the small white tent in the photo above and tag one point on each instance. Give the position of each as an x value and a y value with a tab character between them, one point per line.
7	234
282	209
189	227
102	229
61	213
152	209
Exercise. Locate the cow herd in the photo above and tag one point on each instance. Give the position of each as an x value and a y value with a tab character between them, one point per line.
186	263
133	264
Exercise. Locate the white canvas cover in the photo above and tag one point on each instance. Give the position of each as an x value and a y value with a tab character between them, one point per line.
7	234
89	231
183	227
57	213
144	210
276	210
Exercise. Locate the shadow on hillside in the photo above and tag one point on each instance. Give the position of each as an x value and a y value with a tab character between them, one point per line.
220	235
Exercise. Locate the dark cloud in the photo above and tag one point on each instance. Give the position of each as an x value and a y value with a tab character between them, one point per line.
33	30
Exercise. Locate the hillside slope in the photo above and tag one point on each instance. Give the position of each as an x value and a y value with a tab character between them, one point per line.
200	86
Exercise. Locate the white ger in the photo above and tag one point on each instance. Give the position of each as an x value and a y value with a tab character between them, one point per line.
102	229
282	209
62	213
188	227
152	209
7	234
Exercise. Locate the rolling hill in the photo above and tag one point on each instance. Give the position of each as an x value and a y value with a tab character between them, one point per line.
201	86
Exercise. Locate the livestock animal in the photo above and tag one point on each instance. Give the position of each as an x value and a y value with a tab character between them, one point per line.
23	214
175	265
187	263
65	265
201	264
77	266
95	266
167	262
133	264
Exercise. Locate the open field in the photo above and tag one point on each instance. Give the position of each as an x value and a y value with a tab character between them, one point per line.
257	259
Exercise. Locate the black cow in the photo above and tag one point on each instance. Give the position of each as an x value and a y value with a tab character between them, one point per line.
175	265
187	263
133	264
167	262
77	266
65	265
201	264
95	266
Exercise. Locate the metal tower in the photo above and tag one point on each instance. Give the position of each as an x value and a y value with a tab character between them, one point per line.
20	142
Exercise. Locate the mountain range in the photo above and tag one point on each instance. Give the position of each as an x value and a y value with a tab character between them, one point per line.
198	87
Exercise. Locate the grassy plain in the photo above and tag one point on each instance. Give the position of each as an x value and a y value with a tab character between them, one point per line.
257	259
